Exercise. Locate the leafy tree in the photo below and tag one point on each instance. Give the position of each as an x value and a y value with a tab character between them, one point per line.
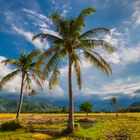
86	107
26	67
114	102
69	43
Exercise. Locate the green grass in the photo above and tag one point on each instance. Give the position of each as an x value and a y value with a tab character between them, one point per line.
115	128
16	135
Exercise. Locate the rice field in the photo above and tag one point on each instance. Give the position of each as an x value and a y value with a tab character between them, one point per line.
7	115
103	126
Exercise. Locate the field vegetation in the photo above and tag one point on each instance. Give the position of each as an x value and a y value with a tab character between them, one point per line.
97	126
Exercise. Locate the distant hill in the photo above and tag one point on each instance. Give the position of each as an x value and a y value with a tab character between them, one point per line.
9	105
9	102
135	104
134	107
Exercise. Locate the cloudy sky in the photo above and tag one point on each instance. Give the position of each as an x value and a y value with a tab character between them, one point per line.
20	20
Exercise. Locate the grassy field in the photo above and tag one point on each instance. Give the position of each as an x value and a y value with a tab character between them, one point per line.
97	126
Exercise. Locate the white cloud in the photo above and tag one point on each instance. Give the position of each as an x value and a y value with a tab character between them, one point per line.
126	87
13	85
65	9
136	15
125	54
123	86
114	38
28	35
130	55
41	21
61	7
38	17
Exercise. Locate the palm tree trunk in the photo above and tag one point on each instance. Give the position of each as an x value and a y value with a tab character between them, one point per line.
116	110
71	102
21	97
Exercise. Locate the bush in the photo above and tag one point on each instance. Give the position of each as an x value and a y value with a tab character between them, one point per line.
11	125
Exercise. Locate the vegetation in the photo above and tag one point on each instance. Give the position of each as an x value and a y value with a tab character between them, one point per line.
26	66
69	43
114	102
86	107
127	127
11	125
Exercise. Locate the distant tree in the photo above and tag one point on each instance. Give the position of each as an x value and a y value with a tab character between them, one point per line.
86	107
27	68
114	102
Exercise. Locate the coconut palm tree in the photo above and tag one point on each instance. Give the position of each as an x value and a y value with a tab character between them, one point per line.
69	43
114	102
26	66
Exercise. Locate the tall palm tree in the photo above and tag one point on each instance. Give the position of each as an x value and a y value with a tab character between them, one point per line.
114	102
26	66
71	42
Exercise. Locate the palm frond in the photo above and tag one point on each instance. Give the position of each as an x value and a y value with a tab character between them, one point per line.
12	62
32	93
57	20
37	72
55	17
54	78
54	60
47	36
93	43
94	32
33	54
23	58
30	58
62	54
96	60
28	81
8	77
80	19
51	64
48	52
38	81
78	73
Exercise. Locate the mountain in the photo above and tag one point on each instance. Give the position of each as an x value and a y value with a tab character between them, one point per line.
9	102
135	104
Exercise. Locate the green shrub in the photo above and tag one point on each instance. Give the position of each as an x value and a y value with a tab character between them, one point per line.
77	125
11	125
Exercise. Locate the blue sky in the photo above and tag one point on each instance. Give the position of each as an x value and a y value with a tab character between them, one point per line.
20	20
